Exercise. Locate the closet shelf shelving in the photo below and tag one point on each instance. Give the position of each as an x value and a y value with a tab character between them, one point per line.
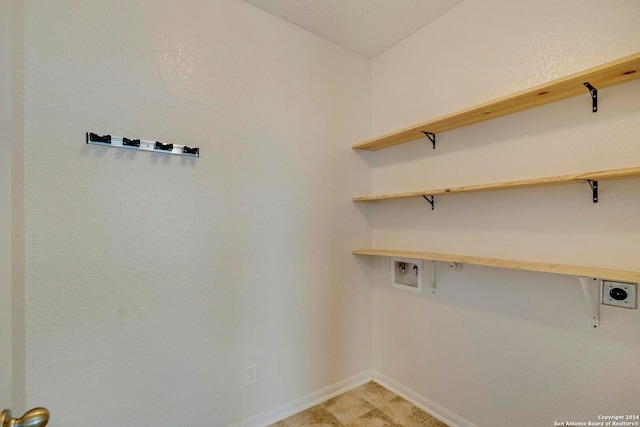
587	81
570	270
588	177
590	278
581	83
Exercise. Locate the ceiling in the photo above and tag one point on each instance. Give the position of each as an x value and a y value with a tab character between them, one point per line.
368	27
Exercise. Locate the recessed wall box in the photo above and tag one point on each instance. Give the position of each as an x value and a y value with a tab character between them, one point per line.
406	274
620	294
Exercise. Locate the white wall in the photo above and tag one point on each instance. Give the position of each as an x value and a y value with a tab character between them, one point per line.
502	347
5	204
151	280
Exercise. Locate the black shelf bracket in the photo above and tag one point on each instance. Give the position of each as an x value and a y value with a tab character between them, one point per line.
431	201
594	189
431	136
594	95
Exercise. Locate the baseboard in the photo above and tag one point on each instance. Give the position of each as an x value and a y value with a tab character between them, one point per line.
432	408
281	412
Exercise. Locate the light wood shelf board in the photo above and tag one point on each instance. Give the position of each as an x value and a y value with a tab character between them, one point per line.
527	183
609	74
570	270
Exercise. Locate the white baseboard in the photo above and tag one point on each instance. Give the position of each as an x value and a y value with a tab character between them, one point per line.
281	412
432	408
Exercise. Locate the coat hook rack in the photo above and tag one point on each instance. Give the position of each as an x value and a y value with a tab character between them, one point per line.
140	144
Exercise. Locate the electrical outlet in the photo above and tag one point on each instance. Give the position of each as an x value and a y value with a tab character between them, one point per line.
620	294
251	374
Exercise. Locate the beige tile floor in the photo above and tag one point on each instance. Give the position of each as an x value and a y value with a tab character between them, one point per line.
369	405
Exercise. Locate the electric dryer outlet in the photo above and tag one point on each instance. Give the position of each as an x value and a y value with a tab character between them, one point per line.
620	294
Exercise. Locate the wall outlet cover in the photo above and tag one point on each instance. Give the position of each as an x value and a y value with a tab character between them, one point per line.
251	374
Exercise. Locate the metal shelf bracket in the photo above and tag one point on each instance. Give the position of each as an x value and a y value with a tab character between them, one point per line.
591	292
594	189
431	201
594	95
431	136
433	277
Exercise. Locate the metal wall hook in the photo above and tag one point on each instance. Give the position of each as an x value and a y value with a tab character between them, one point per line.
130	142
105	139
37	417
164	147
190	150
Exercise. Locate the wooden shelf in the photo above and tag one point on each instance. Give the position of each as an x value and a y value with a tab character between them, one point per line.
570	270
536	182
609	74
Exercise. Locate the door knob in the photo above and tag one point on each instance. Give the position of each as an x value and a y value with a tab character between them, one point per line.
37	417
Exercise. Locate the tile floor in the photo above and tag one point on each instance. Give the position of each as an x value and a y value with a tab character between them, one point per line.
369	405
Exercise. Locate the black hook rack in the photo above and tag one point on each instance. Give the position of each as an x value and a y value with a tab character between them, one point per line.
431	136
140	144
431	201
594	95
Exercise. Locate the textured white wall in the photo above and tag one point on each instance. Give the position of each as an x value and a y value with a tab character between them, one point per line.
152	281
502	347
5	204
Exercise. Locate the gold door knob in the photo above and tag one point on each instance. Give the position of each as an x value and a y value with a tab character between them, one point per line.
37	417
